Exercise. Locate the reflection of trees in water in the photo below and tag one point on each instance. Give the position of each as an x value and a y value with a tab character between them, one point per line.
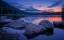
47	33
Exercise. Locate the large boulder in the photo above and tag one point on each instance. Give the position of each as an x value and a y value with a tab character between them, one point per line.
16	24
46	24
33	29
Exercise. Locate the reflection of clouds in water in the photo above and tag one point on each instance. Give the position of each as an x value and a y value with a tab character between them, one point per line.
57	19
37	20
51	19
21	19
30	19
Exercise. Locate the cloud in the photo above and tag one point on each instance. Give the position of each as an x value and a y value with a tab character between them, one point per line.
40	6
31	9
55	4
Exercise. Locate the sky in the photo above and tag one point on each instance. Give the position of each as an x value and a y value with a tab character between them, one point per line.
43	5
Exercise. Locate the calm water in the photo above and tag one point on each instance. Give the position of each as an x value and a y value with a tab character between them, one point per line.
56	34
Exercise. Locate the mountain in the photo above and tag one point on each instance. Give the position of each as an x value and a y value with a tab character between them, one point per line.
32	10
5	8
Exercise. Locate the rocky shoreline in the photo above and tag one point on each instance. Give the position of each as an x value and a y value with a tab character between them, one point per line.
30	28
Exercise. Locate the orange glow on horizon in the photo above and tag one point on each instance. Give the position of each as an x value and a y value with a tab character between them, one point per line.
51	19
56	9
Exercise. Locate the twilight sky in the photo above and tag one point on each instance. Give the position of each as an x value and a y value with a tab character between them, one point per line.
37	4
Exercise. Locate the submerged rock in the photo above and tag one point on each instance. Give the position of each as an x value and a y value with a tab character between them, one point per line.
47	33
32	28
16	24
46	24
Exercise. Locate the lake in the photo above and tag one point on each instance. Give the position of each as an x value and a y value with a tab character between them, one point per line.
55	34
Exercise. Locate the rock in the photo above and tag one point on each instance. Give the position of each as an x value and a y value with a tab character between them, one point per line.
4	20
59	24
46	24
16	24
2	17
33	29
7	36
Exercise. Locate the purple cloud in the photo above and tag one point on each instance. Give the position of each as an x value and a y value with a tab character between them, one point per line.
55	4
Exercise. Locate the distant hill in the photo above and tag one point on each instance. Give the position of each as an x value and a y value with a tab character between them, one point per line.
6	9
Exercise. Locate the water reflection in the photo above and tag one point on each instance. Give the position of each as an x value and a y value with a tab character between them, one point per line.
58	34
37	19
47	33
51	19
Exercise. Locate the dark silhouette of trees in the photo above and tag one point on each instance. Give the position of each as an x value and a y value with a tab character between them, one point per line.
62	14
6	9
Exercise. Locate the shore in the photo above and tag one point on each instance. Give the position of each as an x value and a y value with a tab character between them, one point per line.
30	28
